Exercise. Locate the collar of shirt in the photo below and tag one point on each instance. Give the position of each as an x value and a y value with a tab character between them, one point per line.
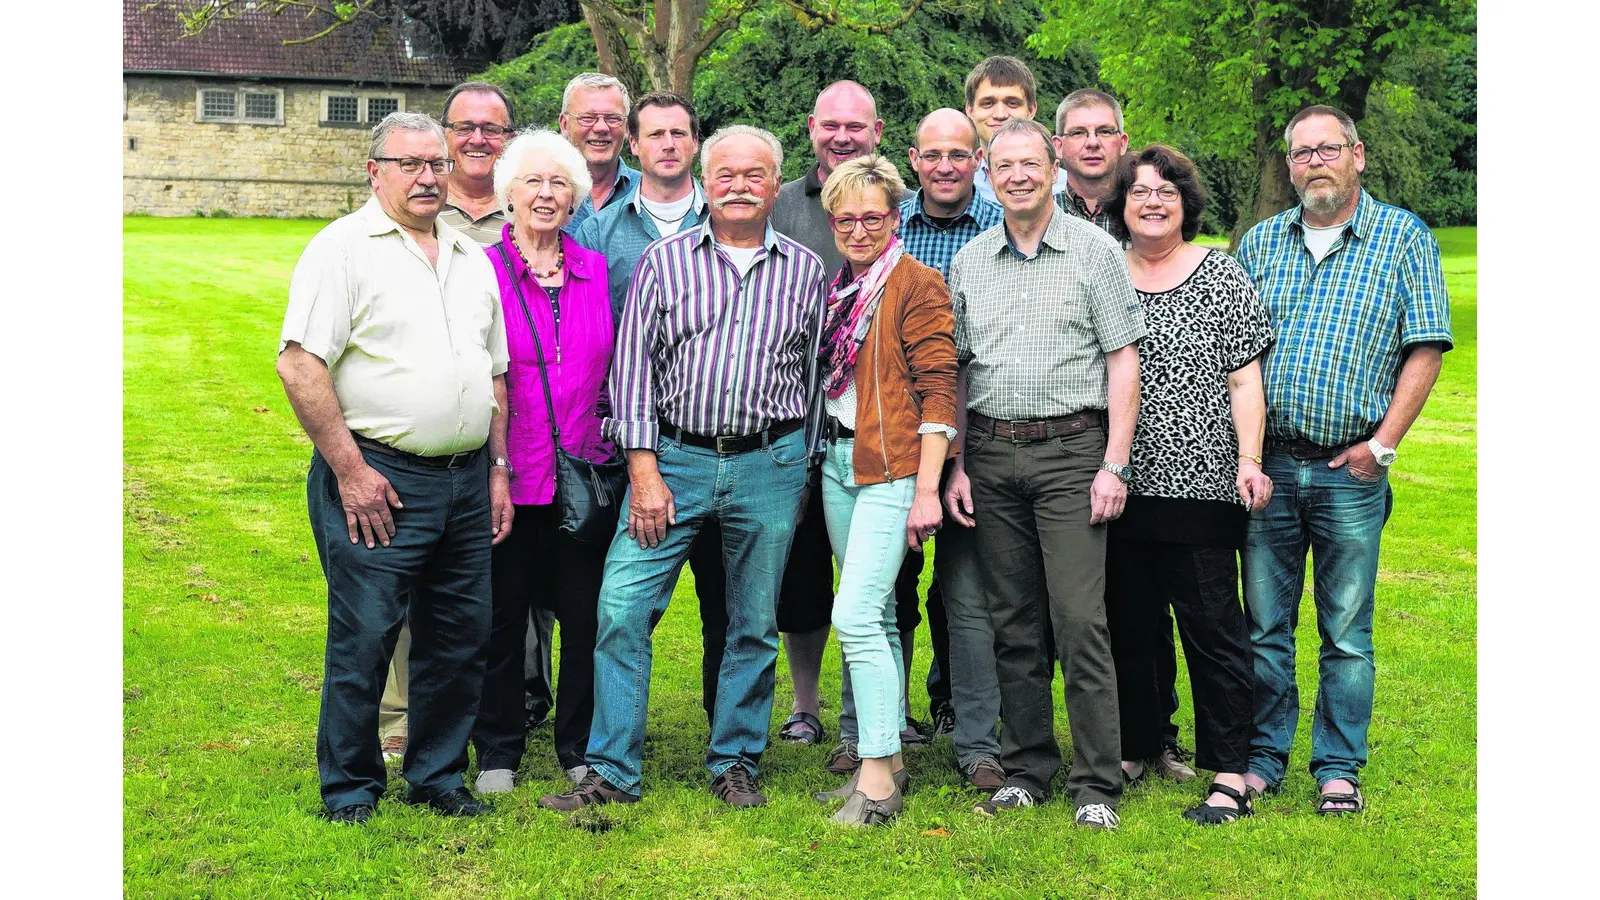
975	212
813	181
577	263
1360	223
768	240
378	223
1055	235
632	202
627	181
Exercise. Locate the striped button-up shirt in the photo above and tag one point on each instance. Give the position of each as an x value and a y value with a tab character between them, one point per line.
933	246
1035	330
713	353
1343	324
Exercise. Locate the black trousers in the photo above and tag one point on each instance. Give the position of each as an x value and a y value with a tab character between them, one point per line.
539	566
435	572
1201	585
905	593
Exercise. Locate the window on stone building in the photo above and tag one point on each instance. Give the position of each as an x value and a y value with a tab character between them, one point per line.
343	108
251	106
366	108
378	107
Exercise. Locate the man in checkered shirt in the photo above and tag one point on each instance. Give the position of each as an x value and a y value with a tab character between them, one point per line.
1047	324
1356	294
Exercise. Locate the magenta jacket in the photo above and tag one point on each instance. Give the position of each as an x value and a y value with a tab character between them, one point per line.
577	382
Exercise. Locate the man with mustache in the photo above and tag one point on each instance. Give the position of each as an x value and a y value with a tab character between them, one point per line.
1089	138
716	398
1047	328
476	136
594	117
664	135
998	90
843	125
1357	298
935	222
393	354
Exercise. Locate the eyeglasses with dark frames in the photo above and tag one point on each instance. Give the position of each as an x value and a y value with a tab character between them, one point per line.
1328	152
589	120
870	221
410	165
1079	135
489	129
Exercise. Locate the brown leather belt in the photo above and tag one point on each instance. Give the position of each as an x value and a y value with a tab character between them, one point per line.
448	461
1030	430
1304	450
733	443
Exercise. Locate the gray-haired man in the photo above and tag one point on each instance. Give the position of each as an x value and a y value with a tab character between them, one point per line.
408	486
594	117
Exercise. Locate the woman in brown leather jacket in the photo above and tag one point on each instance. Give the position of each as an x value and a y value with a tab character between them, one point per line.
889	371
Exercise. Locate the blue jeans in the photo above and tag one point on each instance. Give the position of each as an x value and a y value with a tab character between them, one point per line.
1339	518
754	496
867	528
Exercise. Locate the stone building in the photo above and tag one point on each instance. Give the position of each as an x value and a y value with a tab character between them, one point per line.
234	121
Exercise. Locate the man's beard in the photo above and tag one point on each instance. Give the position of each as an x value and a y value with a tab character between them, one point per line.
1326	200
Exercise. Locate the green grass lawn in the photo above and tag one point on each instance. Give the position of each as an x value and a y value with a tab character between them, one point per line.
224	618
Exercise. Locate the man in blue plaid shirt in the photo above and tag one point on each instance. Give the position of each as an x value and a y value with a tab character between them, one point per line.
1357	299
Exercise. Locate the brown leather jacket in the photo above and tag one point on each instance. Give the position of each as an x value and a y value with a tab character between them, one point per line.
905	373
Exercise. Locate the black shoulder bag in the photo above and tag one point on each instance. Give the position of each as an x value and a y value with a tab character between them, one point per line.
590	494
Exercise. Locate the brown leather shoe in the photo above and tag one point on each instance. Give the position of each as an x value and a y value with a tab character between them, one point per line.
984	773
843	759
593	790
737	788
1173	763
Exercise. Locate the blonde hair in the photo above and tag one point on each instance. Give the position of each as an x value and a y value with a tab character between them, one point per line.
861	174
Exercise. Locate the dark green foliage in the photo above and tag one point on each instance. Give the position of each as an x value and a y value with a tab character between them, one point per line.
1421	134
536	79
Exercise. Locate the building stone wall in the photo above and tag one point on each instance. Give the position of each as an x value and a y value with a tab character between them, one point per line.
175	166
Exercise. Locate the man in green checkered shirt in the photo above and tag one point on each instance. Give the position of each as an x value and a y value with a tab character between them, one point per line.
1357	299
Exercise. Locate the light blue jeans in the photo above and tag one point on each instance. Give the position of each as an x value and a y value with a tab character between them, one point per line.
755	497
1339	518
867	528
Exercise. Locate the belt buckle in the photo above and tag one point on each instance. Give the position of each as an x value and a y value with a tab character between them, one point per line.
721	438
1014	427
457	457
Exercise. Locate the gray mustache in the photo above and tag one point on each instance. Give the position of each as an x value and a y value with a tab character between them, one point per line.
424	192
721	202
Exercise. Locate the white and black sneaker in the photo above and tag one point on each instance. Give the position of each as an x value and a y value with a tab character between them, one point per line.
1010	797
1096	815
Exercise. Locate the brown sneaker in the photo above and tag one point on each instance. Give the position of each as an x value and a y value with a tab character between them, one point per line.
984	773
843	759
1172	763
593	790
737	788
394	747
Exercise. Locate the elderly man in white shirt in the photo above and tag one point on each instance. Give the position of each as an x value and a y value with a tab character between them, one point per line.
393	354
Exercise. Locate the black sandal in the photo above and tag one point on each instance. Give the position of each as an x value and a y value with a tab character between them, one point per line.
1205	814
1324	801
795	729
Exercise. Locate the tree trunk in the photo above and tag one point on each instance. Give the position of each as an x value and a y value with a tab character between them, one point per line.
1273	193
616	57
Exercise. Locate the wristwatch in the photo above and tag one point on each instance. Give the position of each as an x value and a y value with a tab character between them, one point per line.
501	462
1123	472
1384	455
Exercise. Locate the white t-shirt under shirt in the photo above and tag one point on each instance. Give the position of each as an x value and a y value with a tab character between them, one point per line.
1320	240
743	257
668	216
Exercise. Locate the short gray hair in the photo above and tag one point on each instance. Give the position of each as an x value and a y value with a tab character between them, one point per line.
593	81
729	131
532	145
1015	125
404	121
1347	125
1081	98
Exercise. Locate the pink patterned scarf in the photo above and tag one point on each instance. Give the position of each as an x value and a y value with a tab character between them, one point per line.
850	310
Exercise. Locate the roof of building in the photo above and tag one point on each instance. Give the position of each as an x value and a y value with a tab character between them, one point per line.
252	45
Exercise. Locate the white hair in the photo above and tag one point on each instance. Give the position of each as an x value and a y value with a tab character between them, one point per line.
404	121
531	146
750	130
593	81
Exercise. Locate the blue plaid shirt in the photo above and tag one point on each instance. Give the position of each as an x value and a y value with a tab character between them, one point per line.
627	180
935	247
622	231
1342	325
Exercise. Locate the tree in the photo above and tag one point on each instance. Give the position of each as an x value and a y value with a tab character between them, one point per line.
1213	76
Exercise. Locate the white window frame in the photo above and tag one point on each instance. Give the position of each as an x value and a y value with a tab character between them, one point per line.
363	115
239	117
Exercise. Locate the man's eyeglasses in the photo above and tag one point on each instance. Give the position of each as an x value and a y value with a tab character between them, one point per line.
870	221
410	165
1079	135
1139	193
1328	152
489	129
589	120
956	157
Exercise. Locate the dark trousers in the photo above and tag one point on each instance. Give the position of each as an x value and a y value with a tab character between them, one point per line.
1167	676
1042	567
438	560
539	566
905	592
1201	586
711	589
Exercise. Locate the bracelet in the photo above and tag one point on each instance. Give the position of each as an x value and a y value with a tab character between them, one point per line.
1254	459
